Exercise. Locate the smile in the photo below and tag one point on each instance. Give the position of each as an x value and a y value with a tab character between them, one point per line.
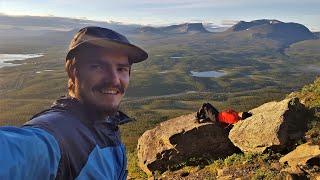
109	91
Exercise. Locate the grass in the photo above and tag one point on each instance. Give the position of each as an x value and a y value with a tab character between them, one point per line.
265	174
252	166
133	170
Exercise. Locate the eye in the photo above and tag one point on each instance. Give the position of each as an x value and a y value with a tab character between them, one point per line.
123	69
96	66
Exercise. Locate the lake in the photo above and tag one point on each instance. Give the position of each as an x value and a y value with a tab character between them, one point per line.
46	70
313	68
176	57
163	72
207	74
6	58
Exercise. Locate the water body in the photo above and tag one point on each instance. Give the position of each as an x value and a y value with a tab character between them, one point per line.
313	68
163	72
46	70
207	74
6	58
176	57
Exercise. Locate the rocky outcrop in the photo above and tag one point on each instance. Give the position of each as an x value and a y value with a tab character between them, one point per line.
301	155
178	140
304	160
274	125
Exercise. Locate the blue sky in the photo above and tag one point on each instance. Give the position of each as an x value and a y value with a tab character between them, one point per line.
163	12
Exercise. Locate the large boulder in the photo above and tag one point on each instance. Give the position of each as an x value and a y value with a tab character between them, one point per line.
274	125
301	155
178	140
304	159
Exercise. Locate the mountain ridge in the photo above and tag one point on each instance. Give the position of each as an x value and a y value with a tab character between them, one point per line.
287	33
175	29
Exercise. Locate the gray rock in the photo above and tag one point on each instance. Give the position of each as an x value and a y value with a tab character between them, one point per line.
274	125
175	141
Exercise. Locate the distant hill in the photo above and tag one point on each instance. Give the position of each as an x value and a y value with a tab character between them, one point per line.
243	25
317	34
22	26
175	29
286	33
148	29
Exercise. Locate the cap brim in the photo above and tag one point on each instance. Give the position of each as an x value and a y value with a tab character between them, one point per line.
134	53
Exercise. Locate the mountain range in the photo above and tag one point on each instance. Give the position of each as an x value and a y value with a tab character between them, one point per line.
286	33
274	29
57	30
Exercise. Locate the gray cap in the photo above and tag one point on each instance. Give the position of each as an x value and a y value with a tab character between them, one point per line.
106	38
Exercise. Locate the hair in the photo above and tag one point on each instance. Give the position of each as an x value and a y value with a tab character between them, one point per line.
70	66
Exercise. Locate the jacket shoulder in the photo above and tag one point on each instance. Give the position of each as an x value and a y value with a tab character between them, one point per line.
52	121
74	138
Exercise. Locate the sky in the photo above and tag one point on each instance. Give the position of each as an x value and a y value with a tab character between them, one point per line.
165	12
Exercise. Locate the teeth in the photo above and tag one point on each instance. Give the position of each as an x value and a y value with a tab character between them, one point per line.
109	91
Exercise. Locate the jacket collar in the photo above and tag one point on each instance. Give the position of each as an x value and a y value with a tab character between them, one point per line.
73	105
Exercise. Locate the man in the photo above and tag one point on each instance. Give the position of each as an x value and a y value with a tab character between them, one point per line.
78	137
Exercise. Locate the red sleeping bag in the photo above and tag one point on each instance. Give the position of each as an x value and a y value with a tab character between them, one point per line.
228	117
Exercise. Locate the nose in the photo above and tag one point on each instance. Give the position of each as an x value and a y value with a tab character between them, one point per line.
111	76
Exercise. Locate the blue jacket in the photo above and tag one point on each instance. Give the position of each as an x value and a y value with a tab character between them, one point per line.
64	142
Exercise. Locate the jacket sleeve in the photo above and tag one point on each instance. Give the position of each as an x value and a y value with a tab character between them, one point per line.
28	153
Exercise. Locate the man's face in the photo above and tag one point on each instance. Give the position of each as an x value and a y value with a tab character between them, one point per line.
101	79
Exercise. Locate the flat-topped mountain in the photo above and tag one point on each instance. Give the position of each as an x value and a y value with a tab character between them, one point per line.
273	29
175	29
243	25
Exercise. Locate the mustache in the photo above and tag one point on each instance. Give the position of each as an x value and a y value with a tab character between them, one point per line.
107	85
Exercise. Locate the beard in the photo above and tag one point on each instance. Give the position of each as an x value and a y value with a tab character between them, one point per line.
100	109
97	106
